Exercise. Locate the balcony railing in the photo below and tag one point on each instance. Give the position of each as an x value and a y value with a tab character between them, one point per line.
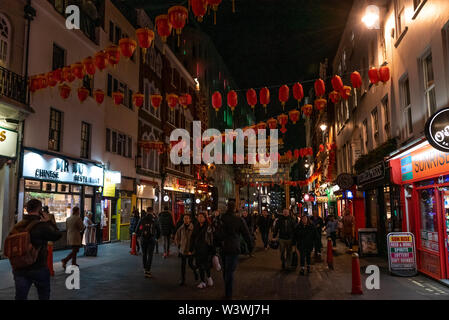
13	85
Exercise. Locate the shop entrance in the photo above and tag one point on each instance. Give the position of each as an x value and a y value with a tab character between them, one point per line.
445	228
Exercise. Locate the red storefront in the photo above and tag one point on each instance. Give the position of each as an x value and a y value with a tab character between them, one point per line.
423	173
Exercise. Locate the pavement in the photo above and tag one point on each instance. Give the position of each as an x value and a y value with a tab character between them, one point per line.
117	275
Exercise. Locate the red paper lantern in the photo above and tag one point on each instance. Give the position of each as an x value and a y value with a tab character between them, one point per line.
214	4
199	8
172	100
177	15
99	96
294	116
78	70
261	126
145	37
272	123
284	94
289	155
34	84
138	99
298	92
118	98
384	74
337	83
83	93
232	99
113	53
346	92
307	110
89	66
373	75
67	74
320	104
320	88
127	47
185	100
51	79
321	148
101	60
296	153
216	101
64	91
264	97
283	120
356	80
334	96
163	26
251	98
156	100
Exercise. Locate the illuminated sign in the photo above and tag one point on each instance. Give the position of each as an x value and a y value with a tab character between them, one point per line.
8	143
349	194
111	178
437	130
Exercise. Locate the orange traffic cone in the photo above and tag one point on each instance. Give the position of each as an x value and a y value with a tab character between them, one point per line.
356	281
133	244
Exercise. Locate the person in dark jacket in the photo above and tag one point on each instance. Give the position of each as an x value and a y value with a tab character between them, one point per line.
285	228
318	222
305	237
201	244
228	234
148	231
133	228
37	273
156	220
264	224
167	229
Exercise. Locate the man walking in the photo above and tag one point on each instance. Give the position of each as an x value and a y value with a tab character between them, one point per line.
285	227
167	229
183	240
348	229
74	226
148	230
318	222
264	224
41	230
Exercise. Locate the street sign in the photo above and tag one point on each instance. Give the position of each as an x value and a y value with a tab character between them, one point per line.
402	254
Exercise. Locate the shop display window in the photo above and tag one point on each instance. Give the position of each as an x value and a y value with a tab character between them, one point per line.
65	188
31	184
76	189
89	190
49	187
125	212
425	183
429	224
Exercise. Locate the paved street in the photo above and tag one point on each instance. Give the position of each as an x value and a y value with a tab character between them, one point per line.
115	274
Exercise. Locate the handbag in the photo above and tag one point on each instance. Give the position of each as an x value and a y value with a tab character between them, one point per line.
216	263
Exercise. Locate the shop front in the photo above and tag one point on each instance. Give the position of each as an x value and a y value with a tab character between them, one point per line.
147	195
61	183
179	196
125	204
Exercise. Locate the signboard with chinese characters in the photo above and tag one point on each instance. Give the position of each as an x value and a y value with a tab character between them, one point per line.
402	253
8	143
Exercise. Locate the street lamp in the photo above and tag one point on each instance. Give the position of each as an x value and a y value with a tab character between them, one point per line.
323	127
371	17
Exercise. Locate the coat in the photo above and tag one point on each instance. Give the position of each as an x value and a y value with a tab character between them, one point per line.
182	238
228	234
201	240
348	224
89	232
285	226
166	223
264	223
305	237
74	226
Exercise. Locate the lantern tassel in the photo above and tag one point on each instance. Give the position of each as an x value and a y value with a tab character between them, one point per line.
233	6
215	17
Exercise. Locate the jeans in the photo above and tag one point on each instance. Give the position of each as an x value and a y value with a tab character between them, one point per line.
229	266
184	260
286	251
72	255
333	236
264	235
348	240
304	256
24	280
147	253
204	264
166	243
317	244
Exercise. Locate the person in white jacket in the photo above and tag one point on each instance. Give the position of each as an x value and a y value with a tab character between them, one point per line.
89	229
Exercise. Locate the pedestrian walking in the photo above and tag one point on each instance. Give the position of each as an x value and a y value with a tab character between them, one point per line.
331	229
228	235
183	240
133	228
52	220
35	271
148	231
167	229
285	228
264	224
201	244
348	229
74	227
318	222
89	231
305	237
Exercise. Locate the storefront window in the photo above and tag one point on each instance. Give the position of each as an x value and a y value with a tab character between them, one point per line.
429	234
49	187
425	183
60	205
89	190
63	188
31	184
76	189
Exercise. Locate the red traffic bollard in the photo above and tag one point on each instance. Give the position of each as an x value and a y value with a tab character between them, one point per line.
133	244
330	254
356	280
50	259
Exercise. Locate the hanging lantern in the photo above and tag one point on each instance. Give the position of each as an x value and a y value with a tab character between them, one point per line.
298	92
57	75
199	8
346	92
294	116
216	101
321	148
320	88
356	80
177	15
172	100
232	100
214	4
83	93
284	94
334	96
320	104
289	155
251	98
264	97
145	37
337	83
261	126
296	154
42	81
163	27
34	84
272	123
67	74
89	66
78	70
118	98
307	110
373	75
113	53
384	74
185	100
302	152
283	120
127	47
156	100
51	79
64	91
138	99
99	96
101	60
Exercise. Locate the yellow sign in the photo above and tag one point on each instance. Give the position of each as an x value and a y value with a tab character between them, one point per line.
110	180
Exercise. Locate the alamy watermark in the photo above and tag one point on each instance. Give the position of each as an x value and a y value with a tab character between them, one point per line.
73	19
73	280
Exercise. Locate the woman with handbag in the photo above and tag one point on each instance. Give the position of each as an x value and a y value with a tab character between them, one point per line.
201	245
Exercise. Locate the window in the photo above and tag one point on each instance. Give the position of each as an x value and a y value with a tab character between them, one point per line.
172	116
386	113
88	83
116	86
365	134
117	34
400	17
375	124
429	84
406	106
150	159
5	31
119	143
85	140
54	138
58	57
416	3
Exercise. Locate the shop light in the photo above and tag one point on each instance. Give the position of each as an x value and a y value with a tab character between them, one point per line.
166	198
197	201
307	165
155	198
371	18
323	127
208	208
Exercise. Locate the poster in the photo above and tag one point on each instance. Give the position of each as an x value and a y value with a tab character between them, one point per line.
368	242
401	253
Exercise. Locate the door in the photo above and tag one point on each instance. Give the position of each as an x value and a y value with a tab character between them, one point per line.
445	229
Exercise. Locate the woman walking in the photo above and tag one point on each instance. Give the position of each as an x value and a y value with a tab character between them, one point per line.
89	230
305	236
201	245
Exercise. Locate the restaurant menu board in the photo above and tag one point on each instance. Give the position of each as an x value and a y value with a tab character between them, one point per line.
402	254
368	242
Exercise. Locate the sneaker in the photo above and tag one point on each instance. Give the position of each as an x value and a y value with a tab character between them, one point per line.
202	285
210	282
308	269
148	274
301	272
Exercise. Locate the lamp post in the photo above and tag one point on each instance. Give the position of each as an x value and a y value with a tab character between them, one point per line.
371	19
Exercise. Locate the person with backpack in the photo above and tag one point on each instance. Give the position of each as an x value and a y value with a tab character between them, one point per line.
167	229
305	238
228	234
285	228
133	228
264	224
74	227
26	248
148	231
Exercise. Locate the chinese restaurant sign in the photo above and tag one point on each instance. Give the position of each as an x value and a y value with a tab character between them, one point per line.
8	143
424	163
401	253
437	130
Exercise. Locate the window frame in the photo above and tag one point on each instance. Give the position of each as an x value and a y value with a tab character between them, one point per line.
429	86
6	40
404	85
58	130
61	64
85	141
